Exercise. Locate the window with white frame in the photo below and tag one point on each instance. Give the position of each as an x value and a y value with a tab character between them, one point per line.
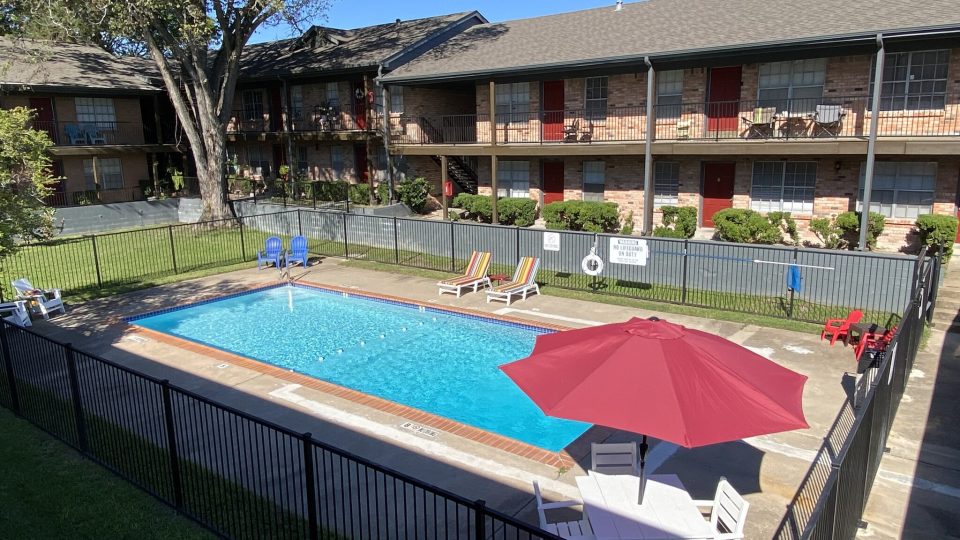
783	186
333	95
513	102
513	178
258	158
252	105
596	98
901	189
594	177
98	111
109	172
913	80
336	161
666	183
296	102
794	86
669	93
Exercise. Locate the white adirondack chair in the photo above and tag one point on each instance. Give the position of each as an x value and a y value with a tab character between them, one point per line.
572	530
16	313
44	300
728	512
614	458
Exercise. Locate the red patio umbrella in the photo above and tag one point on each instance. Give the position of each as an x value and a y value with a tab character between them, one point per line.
656	378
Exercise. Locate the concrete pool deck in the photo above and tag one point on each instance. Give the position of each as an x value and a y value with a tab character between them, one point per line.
767	470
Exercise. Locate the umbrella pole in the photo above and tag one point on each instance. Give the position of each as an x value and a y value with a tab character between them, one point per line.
643	462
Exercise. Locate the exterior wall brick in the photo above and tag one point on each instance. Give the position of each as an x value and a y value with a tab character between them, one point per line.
134	167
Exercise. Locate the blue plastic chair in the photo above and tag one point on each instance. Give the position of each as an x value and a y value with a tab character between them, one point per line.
298	251
75	134
272	253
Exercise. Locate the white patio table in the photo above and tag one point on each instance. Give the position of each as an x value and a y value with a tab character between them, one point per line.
667	512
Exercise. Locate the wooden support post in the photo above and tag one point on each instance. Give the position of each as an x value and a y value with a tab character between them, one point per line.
444	178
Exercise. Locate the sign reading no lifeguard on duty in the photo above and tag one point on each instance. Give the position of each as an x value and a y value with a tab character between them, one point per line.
629	251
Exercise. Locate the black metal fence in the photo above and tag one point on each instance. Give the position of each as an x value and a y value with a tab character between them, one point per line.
239	475
834	493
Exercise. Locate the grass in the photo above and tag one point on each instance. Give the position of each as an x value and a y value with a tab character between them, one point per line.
49	491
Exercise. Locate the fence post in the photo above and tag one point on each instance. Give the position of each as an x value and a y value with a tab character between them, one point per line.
517	242
683	284
480	521
346	249
75	397
8	367
173	249
453	248
916	272
311	485
299	223
172	444
935	284
792	292
396	242
96	260
243	245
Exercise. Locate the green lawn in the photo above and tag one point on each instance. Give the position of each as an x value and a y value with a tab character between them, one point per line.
49	491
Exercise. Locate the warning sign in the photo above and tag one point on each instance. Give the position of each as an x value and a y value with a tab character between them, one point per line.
628	251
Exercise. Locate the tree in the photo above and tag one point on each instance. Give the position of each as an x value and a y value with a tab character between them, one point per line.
24	180
196	46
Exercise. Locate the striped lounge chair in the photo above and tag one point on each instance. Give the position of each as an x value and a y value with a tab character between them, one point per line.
474	276
522	284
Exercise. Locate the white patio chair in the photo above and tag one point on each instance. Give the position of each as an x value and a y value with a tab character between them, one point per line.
828	120
44	301
16	313
572	530
728	512
614	458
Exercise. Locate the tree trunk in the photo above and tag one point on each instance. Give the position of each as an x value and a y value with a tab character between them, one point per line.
210	175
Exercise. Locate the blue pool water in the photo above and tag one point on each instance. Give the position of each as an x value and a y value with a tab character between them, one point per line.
433	361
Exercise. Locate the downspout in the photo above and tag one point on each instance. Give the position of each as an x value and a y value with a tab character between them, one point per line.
648	150
871	144
385	92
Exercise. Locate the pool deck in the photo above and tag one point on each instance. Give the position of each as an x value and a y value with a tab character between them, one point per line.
766	470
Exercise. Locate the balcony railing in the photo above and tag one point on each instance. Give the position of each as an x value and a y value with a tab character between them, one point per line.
832	117
303	120
92	133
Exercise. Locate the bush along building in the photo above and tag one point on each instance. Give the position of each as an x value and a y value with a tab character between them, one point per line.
709	105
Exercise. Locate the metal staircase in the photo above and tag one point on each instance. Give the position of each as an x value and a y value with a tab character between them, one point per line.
461	173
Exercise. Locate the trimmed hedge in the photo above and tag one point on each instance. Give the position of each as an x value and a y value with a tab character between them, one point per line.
751	227
843	231
678	222
511	211
938	230
591	216
383	193
359	193
413	193
331	191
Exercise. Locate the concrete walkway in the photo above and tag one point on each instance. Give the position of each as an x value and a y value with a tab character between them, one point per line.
767	470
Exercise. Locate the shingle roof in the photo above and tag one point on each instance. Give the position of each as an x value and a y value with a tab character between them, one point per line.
658	27
330	49
53	65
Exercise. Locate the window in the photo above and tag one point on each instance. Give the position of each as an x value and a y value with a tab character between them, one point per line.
666	183
596	98
96	111
259	160
396	99
795	86
901	189
333	95
783	186
109	172
336	161
302	164
252	105
296	102
669	93
513	102
513	178
594	176
913	80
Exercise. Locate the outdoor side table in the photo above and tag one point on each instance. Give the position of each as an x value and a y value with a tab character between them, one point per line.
499	278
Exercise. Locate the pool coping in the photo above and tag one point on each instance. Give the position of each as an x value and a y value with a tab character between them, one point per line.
560	460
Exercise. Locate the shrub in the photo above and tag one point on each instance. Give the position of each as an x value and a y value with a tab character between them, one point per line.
936	231
627	224
516	211
414	193
849	225
383	192
478	207
678	222
331	191
826	230
583	216
751	227
359	193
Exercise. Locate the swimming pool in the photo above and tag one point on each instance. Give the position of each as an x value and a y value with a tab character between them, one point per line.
436	361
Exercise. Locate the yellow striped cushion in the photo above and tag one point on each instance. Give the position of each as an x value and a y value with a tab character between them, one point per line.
483	264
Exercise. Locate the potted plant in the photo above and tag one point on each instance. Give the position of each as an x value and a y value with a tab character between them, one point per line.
283	171
176	178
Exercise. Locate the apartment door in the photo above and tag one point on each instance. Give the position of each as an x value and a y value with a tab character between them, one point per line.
553	101
45	120
717	192
552	181
360	160
359	105
723	101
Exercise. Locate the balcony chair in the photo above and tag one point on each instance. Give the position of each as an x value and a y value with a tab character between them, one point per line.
614	458
94	134
728	512
75	135
571	133
840	328
762	123
828	120
15	313
42	301
579	529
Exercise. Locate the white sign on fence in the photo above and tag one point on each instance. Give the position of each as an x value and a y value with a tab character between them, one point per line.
551	241
629	251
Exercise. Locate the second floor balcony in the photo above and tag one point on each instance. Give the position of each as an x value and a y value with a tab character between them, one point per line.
827	118
96	133
318	119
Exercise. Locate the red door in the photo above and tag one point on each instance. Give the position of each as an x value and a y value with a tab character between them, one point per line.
553	112
552	181
717	189
359	106
43	108
723	101
360	160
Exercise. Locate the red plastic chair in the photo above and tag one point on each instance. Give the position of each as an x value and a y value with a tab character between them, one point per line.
838	328
874	342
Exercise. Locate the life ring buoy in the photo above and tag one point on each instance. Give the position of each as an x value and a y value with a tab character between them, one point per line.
592	265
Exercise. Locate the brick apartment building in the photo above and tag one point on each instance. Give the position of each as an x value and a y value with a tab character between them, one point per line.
752	105
102	113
